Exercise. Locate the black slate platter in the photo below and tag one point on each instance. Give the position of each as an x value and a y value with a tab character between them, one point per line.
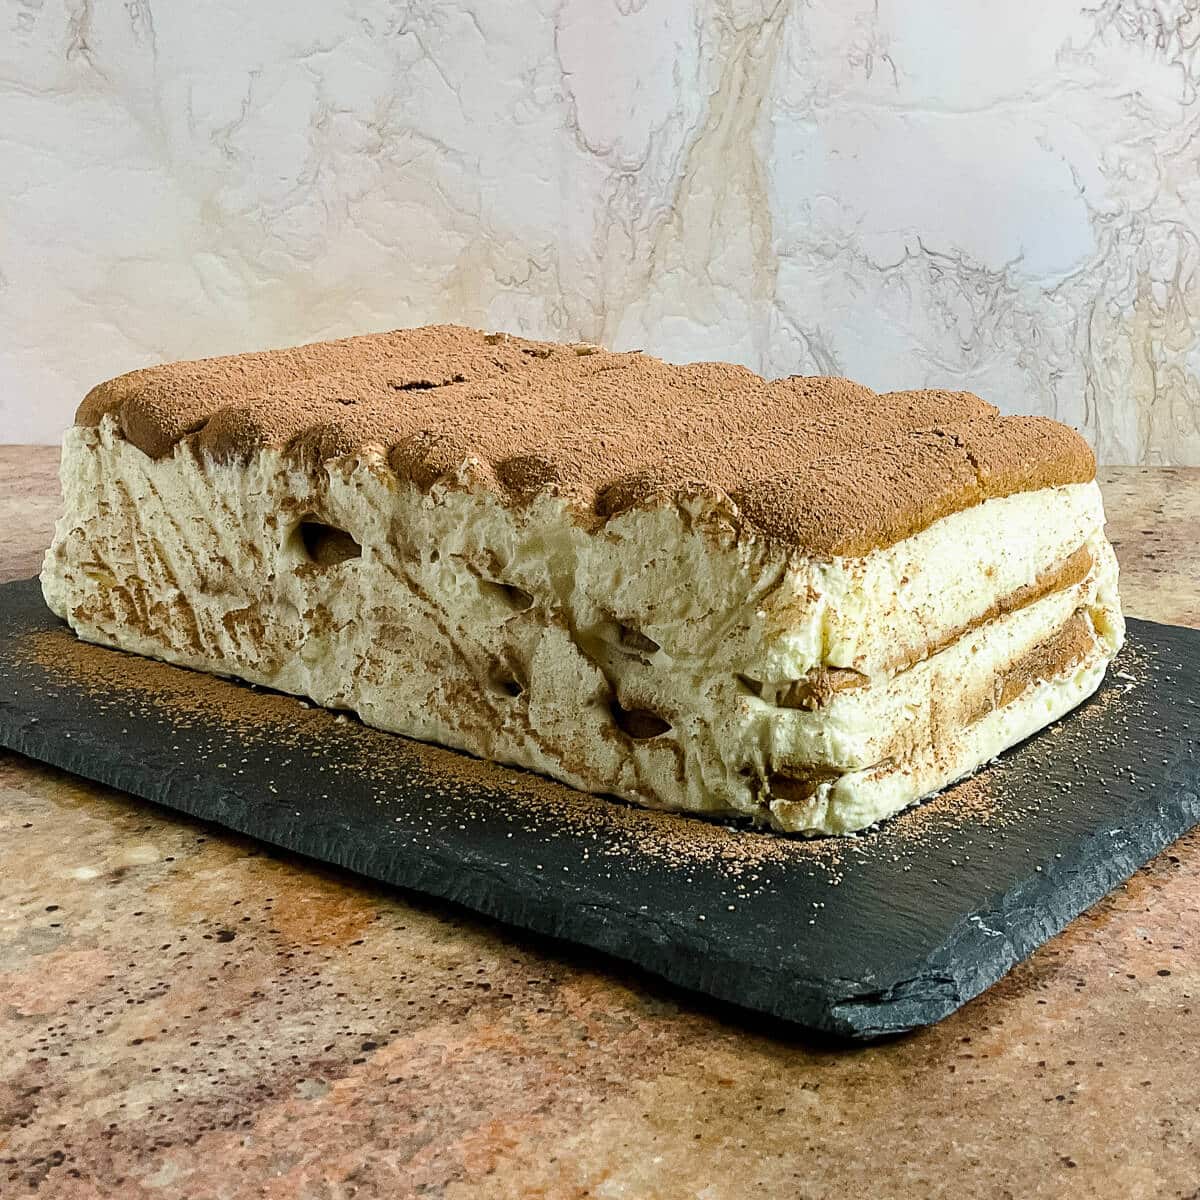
857	937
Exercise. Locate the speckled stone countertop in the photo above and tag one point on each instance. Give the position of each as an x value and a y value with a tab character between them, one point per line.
186	1014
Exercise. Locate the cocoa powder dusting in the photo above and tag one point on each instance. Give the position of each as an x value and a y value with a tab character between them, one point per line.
823	464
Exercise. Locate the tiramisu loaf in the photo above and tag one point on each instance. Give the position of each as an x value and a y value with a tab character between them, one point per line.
796	601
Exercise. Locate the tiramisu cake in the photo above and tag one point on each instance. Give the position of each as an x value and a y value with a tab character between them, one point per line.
795	601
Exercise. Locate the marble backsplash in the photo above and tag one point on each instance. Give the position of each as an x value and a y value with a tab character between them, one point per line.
1000	197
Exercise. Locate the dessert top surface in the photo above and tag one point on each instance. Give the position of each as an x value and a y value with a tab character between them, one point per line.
822	464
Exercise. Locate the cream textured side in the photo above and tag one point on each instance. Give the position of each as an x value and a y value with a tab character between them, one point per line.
616	661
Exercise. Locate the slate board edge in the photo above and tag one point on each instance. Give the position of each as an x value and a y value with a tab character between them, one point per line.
938	985
1053	900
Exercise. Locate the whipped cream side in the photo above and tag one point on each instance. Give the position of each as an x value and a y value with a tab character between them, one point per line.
615	660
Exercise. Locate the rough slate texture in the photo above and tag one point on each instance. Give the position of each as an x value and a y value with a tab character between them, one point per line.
861	938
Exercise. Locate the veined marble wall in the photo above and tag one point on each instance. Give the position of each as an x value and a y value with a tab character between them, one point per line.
1003	197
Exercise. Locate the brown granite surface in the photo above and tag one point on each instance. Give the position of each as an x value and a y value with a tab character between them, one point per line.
185	1014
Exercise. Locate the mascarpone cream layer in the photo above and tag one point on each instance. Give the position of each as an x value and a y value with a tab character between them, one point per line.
614	659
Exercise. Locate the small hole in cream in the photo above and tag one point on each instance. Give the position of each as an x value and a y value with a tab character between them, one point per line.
516	598
507	686
638	723
326	545
637	641
753	686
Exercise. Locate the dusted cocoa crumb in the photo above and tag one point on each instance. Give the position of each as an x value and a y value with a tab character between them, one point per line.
822	464
971	803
